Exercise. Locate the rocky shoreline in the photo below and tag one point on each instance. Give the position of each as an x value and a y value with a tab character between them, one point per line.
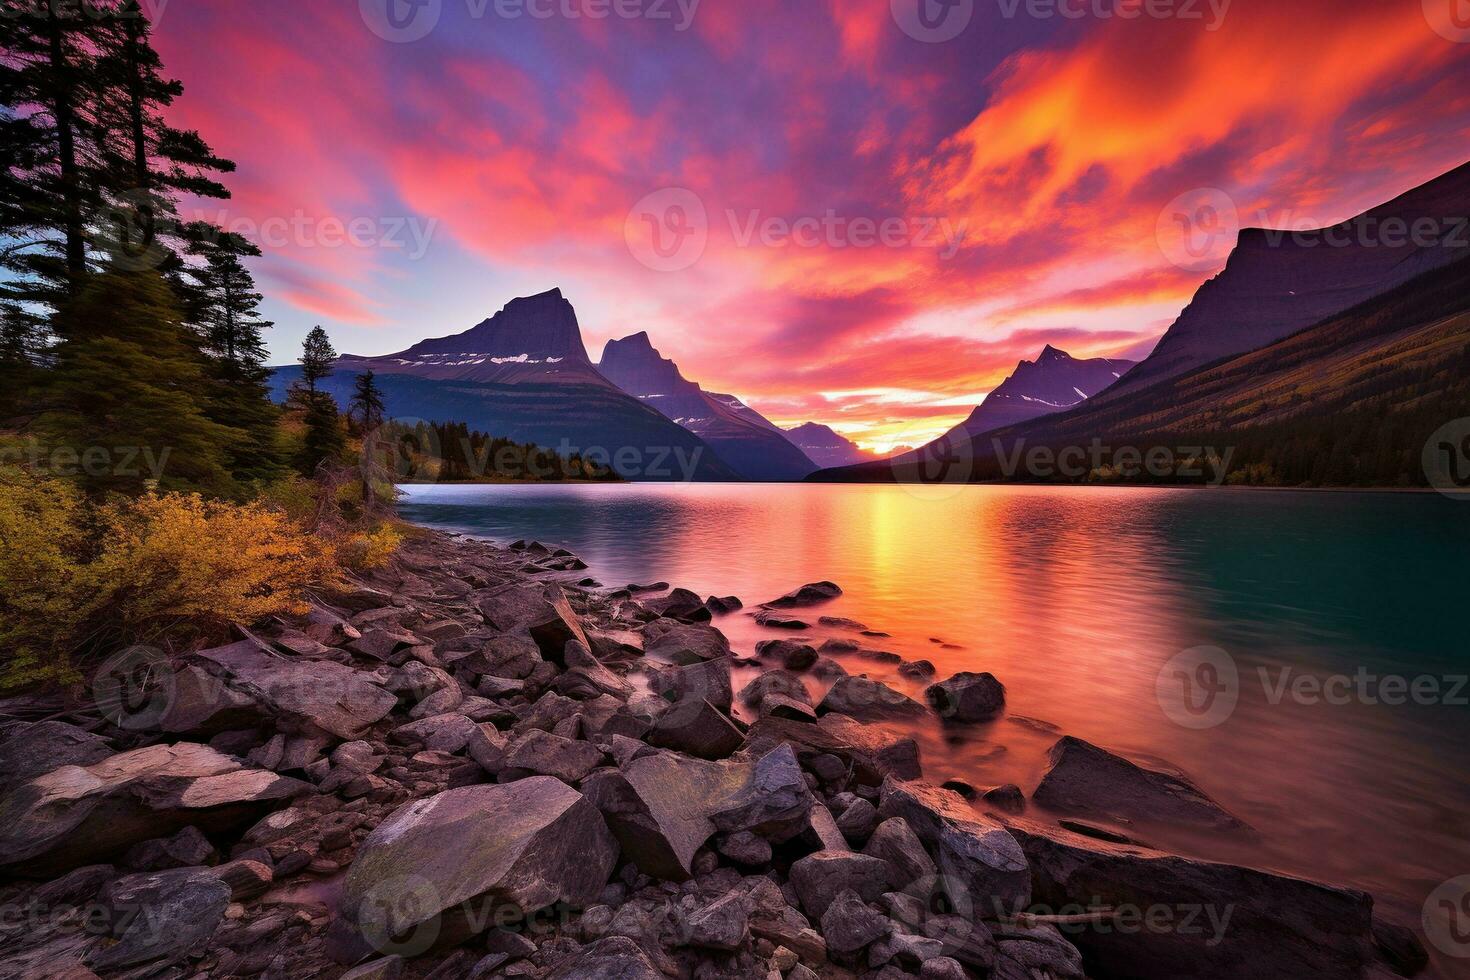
479	763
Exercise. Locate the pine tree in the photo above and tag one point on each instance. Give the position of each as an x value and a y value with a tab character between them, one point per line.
324	440
317	356
126	392
367	407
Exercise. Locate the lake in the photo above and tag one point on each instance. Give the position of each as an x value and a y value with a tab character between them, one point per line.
1330	616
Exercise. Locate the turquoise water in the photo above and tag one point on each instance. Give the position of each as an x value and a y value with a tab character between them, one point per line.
1080	600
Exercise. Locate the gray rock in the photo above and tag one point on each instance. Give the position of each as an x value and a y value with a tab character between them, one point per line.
723	925
440	733
680	604
850	926
664	807
1026	952
538	753
541	612
186	849
942	968
723	605
697	728
967	697
201	704
75	815
1086	779
1278	926
161	918
673	642
612	958
791	654
708	680
743	847
868	700
326	695
522	845
858	822
898	847
588	676
819	878
974	853
872	752
1008	798
487	747
382	968
774	682
509	656
775	705
904	950
30	749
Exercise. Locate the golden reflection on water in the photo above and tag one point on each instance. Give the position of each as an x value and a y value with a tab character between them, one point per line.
1076	599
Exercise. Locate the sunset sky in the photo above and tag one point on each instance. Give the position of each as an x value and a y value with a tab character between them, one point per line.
514	147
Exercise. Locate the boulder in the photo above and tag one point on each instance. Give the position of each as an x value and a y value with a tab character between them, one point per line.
77	815
683	643
202	704
895	844
586	677
778	682
743	847
819	878
697	728
29	749
967	697
775	705
858	822
542	612
327	696
723	605
612	958
441	733
792	655
438	864
538	753
974	853
723	925
849	926
1007	797
664	807
679	604
808	595
868	700
187	849
772	619
1086	779
871	752
707	680
507	655
1224	922
160	919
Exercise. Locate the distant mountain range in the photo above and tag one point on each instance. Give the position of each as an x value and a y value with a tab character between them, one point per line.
1277	282
1054	381
825	447
524	374
754	447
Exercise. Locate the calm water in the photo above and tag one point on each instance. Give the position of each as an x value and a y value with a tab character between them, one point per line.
1077	599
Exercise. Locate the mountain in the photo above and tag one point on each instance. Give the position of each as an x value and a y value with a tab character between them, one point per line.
825	447
1350	401
1054	381
753	450
524	374
1277	282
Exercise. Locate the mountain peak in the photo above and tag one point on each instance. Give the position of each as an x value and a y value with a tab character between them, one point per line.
1050	353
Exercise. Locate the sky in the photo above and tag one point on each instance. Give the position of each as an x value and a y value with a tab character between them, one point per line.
856	212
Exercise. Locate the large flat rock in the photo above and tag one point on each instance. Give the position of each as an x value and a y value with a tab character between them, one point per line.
1084	778
460	861
325	695
78	815
1223	922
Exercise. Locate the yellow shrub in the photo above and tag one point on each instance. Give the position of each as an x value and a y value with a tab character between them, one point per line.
42	548
178	560
80	577
370	549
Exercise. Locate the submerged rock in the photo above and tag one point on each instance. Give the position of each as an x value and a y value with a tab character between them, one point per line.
1224	922
808	595
967	697
868	700
1086	779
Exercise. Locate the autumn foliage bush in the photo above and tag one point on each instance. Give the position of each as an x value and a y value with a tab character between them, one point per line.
79	576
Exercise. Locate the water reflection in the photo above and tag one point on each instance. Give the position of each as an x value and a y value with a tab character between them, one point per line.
1076	599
